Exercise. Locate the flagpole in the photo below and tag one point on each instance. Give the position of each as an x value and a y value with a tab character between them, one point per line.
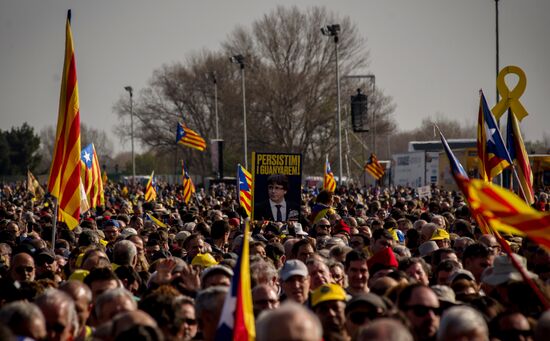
54	223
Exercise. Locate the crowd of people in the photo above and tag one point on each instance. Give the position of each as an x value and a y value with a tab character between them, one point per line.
376	264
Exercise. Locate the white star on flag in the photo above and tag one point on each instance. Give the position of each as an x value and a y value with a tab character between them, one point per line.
87	157
490	133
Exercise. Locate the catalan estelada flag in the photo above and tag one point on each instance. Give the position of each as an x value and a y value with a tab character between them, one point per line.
329	183
244	183
189	138
64	179
374	168
188	186
150	190
159	223
318	211
237	317
491	150
506	212
461	178
91	176
518	154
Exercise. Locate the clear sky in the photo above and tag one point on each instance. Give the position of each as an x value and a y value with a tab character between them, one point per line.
431	56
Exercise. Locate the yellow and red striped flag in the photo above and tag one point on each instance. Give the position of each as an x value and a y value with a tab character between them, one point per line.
374	168
329	183
237	316
506	212
91	176
188	185
33	186
518	154
64	180
244	184
189	138
150	190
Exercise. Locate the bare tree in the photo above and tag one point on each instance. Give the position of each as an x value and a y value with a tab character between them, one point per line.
290	90
102	143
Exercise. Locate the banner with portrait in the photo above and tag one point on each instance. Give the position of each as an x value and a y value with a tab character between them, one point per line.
277	186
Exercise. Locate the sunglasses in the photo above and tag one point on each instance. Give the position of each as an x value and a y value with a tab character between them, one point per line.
57	328
324	226
24	269
359	317
190	322
422	310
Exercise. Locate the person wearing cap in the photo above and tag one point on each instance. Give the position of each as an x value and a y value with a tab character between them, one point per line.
329	303
46	266
363	309
216	275
441	238
111	229
295	281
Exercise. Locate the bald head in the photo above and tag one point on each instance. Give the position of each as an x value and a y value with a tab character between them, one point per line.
22	267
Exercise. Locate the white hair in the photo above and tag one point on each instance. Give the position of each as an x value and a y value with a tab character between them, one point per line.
461	321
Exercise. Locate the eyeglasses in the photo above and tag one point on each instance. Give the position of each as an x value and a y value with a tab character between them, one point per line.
324	226
190	322
24	269
422	310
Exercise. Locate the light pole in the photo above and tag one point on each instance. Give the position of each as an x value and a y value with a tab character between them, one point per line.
212	76
332	31
239	59
131	92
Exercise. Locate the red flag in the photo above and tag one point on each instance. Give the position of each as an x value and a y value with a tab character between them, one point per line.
64	180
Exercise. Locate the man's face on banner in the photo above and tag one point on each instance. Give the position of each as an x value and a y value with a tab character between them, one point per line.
276	192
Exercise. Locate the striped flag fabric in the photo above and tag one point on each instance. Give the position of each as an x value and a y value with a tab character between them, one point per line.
149	217
244	179
374	168
91	176
318	211
189	138
518	154
329	183
188	186
33	187
64	178
508	213
150	190
461	178
491	150
237	317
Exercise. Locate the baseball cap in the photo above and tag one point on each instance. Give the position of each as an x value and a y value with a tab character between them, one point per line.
461	273
440	234
370	299
216	269
327	292
204	259
293	267
111	222
127	232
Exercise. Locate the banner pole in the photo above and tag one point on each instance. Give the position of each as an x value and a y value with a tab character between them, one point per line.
54	223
